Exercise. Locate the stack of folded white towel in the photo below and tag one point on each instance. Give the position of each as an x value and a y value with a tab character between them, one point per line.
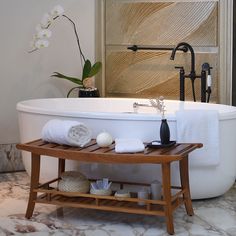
68	132
128	145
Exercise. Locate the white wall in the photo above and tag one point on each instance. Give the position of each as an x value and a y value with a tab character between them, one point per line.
26	75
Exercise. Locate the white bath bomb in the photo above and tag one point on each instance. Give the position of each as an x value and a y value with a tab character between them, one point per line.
104	139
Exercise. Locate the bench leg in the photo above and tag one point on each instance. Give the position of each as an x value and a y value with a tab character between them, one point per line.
184	177
167	197
61	166
35	170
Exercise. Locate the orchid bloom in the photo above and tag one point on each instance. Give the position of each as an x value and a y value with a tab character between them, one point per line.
44	33
46	21
57	11
42	29
41	43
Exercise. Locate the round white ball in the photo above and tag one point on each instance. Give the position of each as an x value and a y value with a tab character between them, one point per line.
104	139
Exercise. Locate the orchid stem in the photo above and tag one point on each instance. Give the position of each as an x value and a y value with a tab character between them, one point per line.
77	36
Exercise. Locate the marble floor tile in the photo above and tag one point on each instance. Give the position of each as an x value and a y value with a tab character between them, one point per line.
213	217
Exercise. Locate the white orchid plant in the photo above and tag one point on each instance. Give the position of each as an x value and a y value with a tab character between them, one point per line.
41	40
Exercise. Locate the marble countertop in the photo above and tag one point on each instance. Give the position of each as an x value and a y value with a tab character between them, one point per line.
213	217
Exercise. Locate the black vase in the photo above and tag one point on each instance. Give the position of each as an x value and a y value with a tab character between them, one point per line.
164	132
88	92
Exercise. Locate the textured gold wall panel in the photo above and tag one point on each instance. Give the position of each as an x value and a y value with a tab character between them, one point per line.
151	74
161	23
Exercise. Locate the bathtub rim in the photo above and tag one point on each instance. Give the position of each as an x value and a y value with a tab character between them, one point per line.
226	112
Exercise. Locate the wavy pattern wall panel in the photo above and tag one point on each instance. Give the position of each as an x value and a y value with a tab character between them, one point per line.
151	74
158	23
161	23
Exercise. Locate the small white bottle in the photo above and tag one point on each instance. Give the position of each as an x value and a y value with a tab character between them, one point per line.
156	190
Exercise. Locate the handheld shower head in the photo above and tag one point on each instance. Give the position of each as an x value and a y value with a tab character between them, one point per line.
206	67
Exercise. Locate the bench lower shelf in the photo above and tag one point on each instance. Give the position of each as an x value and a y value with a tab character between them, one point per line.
50	195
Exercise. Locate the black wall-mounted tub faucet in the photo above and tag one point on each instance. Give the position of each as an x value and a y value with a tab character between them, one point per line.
192	75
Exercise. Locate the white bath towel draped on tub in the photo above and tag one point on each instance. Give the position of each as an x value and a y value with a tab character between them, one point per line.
68	132
200	126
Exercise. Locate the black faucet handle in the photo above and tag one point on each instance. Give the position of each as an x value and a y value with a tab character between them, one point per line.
179	67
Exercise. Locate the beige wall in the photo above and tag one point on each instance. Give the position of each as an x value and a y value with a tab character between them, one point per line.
26	76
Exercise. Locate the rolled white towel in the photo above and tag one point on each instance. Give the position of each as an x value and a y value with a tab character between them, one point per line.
68	132
128	145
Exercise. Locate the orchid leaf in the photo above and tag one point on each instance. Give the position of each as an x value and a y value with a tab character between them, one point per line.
72	79
86	69
95	69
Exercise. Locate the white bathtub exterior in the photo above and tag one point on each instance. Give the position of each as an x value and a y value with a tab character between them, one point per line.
115	115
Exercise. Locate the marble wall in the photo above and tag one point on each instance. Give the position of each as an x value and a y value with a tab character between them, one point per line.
10	157
162	24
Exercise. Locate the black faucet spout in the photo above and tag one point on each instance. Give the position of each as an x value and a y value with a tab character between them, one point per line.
189	47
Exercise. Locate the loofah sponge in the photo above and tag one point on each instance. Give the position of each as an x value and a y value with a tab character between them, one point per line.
73	175
73	181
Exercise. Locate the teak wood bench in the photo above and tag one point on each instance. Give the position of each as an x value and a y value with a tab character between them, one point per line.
93	153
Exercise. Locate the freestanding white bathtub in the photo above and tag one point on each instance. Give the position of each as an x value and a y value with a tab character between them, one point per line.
116	116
